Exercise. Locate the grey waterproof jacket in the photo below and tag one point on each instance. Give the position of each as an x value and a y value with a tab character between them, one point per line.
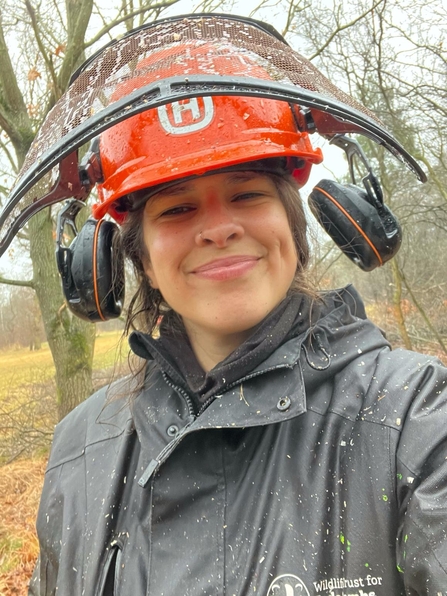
321	473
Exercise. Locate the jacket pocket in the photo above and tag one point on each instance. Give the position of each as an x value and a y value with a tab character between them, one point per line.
108	583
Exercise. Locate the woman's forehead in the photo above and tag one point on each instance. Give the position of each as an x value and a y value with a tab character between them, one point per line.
229	178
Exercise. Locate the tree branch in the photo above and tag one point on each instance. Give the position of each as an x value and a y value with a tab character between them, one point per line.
129	15
17	282
341	28
10	158
78	18
423	313
440	185
14	117
292	11
40	45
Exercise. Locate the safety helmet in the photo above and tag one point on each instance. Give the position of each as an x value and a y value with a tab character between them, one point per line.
174	60
194	136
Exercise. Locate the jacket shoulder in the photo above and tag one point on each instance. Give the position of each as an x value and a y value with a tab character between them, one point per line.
103	416
404	383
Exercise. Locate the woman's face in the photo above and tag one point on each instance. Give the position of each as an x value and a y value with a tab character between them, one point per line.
220	251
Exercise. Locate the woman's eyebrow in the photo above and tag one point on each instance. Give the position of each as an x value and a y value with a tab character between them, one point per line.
183	188
178	189
238	177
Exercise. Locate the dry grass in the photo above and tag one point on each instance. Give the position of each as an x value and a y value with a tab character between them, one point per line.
28	413
28	408
20	488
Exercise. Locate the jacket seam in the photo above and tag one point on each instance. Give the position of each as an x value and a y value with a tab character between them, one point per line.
429	546
83	577
373	375
47	563
400	460
392	466
352	419
82	453
382	424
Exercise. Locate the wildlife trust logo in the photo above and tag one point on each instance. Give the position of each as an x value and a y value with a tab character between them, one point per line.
287	585
186	116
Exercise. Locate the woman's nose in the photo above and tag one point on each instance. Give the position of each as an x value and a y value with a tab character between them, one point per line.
219	227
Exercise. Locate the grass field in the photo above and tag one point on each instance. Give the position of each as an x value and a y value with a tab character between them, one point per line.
22	367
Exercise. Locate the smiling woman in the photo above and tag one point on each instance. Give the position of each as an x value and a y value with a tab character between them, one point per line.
228	216
221	253
272	443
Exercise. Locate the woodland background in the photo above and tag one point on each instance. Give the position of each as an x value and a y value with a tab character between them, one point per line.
389	54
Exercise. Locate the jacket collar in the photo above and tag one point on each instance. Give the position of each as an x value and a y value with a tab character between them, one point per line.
273	392
173	353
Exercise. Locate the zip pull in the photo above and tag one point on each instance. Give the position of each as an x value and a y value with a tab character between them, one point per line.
162	456
154	464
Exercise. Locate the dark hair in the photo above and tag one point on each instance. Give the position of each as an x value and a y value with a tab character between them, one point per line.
147	304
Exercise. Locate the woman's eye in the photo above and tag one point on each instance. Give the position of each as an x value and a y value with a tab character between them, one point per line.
177	210
245	196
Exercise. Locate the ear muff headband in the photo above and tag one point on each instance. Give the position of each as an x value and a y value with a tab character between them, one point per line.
353	222
100	276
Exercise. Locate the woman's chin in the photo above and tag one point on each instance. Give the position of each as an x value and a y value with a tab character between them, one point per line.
228	322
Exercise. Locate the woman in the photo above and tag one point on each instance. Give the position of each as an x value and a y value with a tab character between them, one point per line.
274	444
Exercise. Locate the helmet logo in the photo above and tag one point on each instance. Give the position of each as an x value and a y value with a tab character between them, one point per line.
190	115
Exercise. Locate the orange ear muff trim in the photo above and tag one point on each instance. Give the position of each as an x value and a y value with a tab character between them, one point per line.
95	270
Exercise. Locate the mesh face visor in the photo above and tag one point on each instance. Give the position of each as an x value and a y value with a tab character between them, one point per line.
91	104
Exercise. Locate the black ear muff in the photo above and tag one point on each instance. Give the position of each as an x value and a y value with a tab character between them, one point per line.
92	271
365	229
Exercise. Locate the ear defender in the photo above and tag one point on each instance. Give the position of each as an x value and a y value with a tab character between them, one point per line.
364	228
91	267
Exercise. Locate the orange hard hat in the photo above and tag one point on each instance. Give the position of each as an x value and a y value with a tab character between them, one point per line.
194	136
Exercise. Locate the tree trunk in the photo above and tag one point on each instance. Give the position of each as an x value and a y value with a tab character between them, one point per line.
71	340
36	341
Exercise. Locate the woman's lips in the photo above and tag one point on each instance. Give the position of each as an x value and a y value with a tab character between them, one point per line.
226	268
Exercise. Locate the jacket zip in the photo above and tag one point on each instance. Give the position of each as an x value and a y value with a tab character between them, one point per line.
154	464
182	393
166	451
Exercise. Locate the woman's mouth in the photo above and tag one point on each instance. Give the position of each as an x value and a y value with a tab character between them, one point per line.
226	268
